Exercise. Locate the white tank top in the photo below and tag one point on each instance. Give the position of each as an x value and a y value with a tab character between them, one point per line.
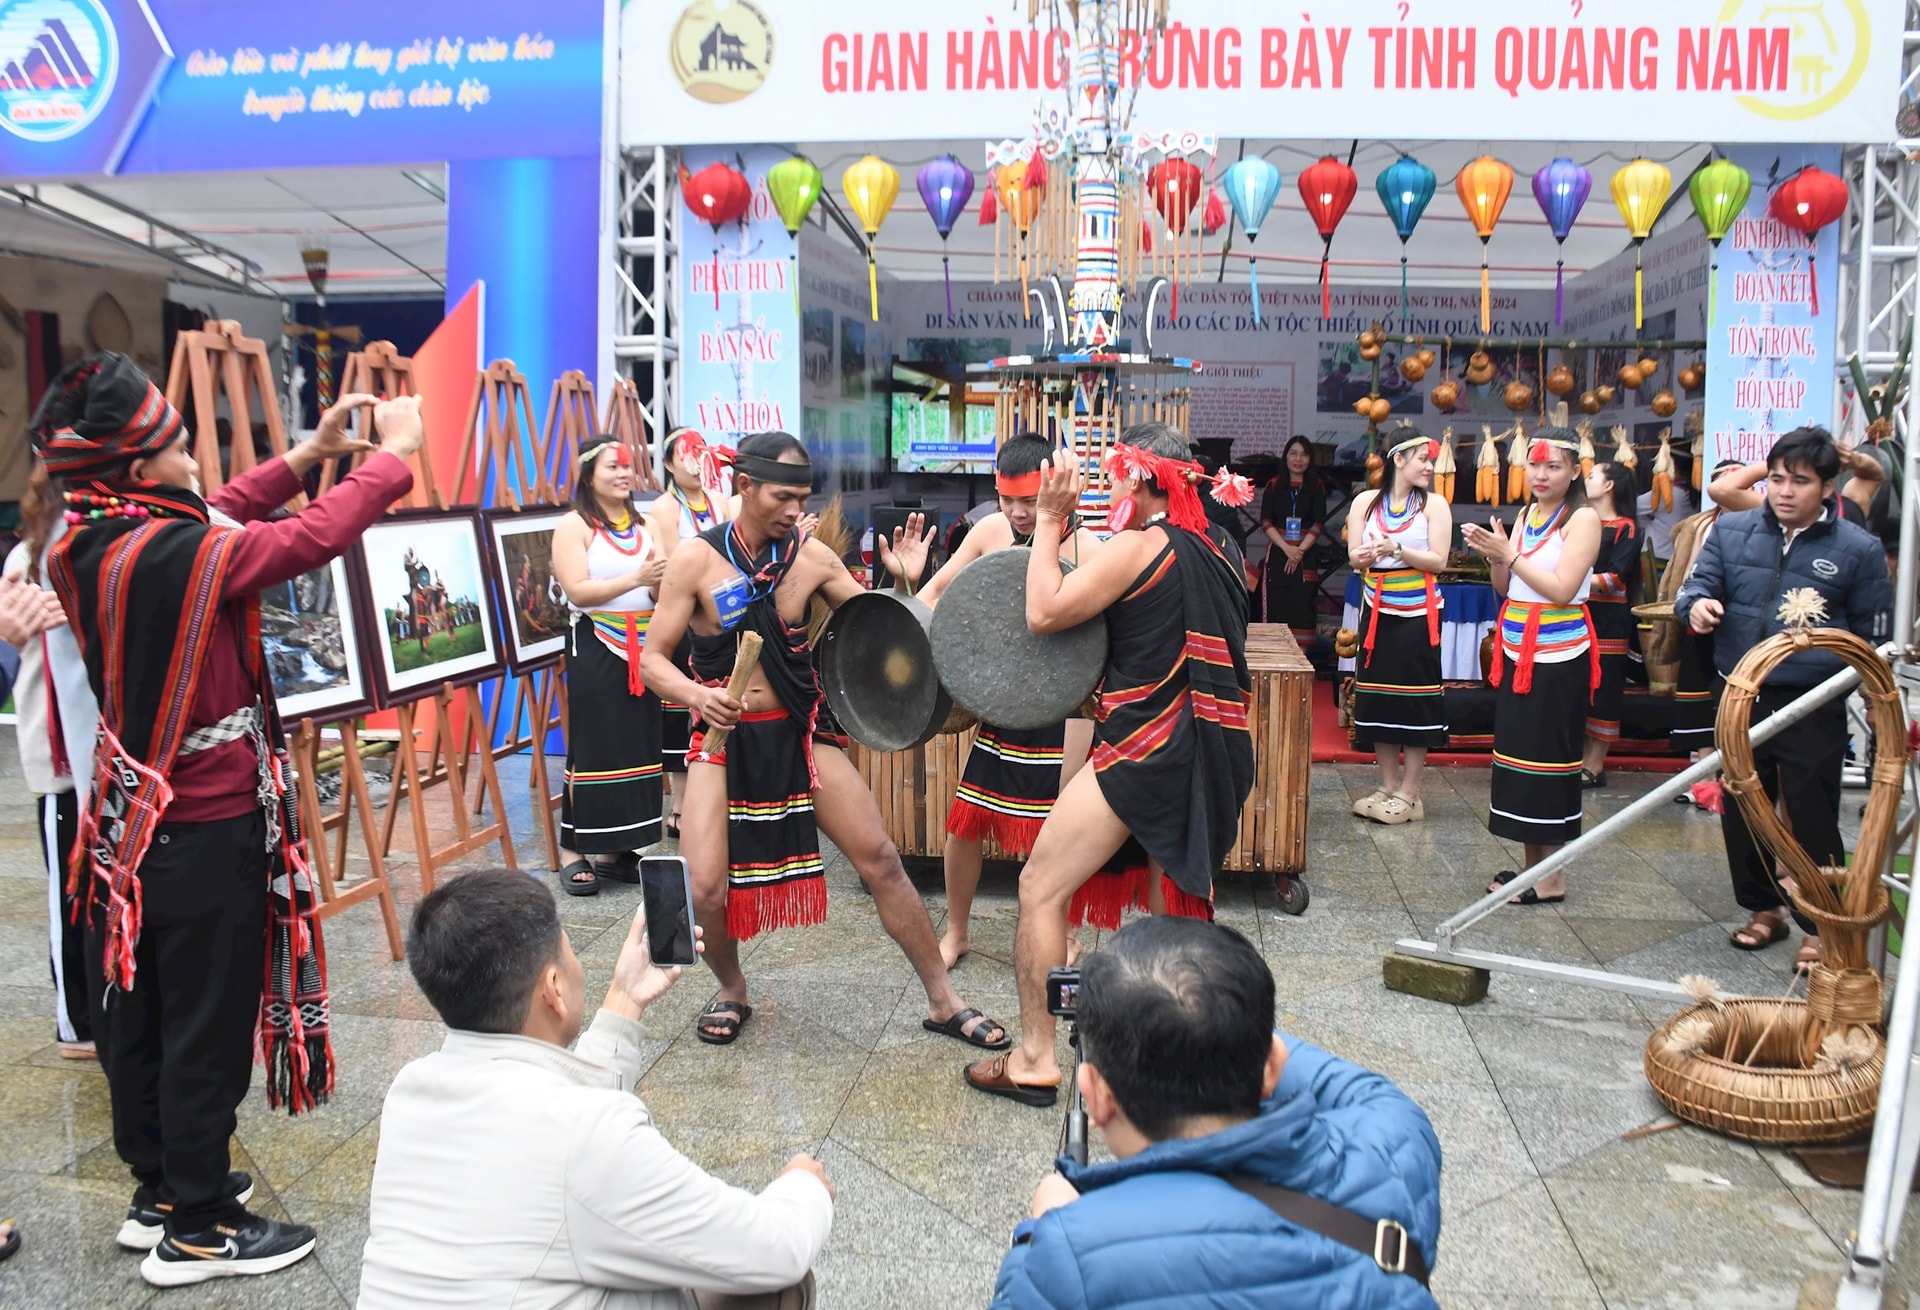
606	559
1546	557
1413	536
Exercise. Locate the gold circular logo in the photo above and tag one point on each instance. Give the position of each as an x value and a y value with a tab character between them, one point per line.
721	50
1825	52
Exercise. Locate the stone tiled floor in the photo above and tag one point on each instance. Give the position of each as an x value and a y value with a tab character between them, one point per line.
1546	1205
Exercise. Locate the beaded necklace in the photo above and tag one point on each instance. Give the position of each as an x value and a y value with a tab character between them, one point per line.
625	537
703	517
1533	537
1394	522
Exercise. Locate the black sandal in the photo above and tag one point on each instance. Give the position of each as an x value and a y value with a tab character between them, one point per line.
672	825
12	1244
1589	779
624	867
956	1026
571	877
728	1016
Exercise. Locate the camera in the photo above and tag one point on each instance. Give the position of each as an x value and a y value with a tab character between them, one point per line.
1063	992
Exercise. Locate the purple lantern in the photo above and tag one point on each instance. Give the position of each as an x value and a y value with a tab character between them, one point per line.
945	187
1561	189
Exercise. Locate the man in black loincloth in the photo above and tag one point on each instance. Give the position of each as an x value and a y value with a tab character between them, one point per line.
748	826
1172	752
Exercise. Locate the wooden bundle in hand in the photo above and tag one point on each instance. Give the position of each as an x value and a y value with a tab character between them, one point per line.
746	658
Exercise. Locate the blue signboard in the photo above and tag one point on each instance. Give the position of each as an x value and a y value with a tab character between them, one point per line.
202	85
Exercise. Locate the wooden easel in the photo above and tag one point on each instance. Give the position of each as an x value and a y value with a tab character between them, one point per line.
500	404
627	420
381	370
447	765
330	858
221	360
570	421
540	695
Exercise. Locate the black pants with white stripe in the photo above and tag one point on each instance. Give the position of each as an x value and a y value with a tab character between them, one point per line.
66	938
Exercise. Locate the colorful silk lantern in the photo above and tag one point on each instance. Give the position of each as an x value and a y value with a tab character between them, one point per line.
1483	187
1639	191
1807	202
1719	192
1405	188
1561	190
945	186
1175	186
1327	188
1252	185
794	185
1020	189
870	184
718	193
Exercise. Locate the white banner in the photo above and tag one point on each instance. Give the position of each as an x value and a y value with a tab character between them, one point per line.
724	71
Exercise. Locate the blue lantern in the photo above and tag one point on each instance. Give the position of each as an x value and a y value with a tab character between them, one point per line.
1405	187
1252	185
1561	188
945	187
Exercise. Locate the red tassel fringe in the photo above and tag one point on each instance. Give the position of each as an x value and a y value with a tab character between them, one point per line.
754	910
975	823
1103	898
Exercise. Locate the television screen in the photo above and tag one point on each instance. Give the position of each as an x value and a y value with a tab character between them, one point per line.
926	438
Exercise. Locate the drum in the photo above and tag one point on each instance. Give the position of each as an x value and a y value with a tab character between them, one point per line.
877	670
993	665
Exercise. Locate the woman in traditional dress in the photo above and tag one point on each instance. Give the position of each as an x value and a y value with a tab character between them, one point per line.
693	502
1399	706
1609	486
1548	662
1293	515
606	561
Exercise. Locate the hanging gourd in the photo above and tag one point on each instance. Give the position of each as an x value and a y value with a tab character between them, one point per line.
1175	187
1021	187
794	185
870	185
1405	188
1561	190
945	186
1252	185
1639	191
718	193
1719	193
1483	187
1327	188
1807	202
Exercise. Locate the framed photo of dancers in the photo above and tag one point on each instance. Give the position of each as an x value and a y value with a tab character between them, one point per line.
533	608
420	586
312	639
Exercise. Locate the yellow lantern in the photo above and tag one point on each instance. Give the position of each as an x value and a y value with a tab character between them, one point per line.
870	184
1640	192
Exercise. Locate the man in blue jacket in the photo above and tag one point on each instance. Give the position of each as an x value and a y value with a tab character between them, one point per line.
1797	539
1220	1126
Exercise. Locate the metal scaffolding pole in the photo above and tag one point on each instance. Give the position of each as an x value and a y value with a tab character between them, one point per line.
646	256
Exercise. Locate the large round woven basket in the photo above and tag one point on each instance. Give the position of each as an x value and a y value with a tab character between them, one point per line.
1766	1101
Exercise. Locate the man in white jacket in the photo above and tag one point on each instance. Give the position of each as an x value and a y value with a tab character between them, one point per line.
513	1171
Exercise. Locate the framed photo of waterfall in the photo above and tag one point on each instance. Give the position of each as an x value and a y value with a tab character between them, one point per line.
426	612
313	647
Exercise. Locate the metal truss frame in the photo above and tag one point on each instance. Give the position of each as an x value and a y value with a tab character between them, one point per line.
646	343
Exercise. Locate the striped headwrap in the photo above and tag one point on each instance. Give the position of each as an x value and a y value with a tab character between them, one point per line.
98	415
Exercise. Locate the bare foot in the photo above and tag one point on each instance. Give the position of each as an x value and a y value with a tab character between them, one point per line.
953	949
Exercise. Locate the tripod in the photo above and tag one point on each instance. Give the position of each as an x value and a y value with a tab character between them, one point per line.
1073	1133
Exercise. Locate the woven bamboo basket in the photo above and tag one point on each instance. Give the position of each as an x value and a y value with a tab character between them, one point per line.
1662	647
1765	1069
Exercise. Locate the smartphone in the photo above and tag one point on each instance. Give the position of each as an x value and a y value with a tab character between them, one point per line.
667	892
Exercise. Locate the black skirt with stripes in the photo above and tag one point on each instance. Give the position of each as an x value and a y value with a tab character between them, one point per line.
612	798
1539	739
1398	699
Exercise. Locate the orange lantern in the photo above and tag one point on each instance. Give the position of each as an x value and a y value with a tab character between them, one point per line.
1020	188
1483	187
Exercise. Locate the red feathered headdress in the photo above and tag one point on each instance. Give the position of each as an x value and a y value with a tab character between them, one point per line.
1179	479
712	459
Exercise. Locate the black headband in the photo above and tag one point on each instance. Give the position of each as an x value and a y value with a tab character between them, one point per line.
781	472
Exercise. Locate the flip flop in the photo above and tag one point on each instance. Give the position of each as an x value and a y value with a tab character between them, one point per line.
991	1077
570	874
624	867
12	1244
956	1026
1502	878
728	1016
1532	897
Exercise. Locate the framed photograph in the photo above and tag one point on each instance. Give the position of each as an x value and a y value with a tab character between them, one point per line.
533	609
313	644
420	582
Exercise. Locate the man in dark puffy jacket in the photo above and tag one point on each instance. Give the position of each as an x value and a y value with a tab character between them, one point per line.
1797	539
1210	1115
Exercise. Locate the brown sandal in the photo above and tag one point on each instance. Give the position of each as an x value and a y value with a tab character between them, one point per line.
1809	956
991	1077
1760	932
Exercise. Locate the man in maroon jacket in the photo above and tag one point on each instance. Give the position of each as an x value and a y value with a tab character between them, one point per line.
189	857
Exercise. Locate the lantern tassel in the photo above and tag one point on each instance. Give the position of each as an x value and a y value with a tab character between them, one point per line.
1253	284
1713	283
716	279
1639	292
1559	291
947	277
1813	287
1326	298
1403	284
1486	291
873	286
793	276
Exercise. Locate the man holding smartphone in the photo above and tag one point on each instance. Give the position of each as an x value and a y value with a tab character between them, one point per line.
601	1202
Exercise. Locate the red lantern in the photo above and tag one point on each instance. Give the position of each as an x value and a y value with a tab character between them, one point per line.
718	193
1327	188
1807	202
1175	186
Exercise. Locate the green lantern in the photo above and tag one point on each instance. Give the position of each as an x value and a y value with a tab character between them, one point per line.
794	184
1719	192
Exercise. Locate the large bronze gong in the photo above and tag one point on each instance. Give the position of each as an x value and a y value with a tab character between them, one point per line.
876	667
993	665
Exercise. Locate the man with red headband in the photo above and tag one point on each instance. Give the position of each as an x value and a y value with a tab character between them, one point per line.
189	857
1012	774
1172	756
